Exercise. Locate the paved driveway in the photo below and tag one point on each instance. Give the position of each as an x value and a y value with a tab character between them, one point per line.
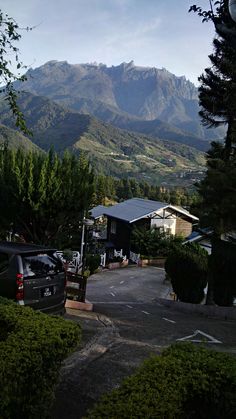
126	327
128	285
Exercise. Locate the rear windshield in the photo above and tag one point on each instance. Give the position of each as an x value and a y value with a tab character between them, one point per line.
41	264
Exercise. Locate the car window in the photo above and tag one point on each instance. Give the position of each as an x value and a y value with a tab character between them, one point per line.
41	264
4	262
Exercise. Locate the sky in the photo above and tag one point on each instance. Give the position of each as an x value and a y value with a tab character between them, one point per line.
152	33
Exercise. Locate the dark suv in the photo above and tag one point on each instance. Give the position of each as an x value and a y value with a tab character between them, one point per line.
32	275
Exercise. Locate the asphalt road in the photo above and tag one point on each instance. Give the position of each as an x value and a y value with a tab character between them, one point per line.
126	327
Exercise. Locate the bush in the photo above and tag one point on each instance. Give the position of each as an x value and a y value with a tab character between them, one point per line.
32	347
186	381
187	267
93	262
152	242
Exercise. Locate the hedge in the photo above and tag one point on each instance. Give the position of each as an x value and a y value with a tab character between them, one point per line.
93	262
32	347
187	267
186	381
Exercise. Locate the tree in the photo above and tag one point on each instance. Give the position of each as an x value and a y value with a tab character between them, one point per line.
153	243
217	92
217	97
217	204
100	189
44	197
9	35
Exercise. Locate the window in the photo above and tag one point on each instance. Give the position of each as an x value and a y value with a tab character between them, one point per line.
113	227
4	262
40	265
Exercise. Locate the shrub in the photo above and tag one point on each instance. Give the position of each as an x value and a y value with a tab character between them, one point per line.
68	255
32	348
187	267
152	242
93	262
186	381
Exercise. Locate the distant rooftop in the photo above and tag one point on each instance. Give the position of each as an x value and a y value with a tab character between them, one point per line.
98	211
137	208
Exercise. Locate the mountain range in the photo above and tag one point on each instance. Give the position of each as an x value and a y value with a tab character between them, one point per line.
112	150
126	96
130	121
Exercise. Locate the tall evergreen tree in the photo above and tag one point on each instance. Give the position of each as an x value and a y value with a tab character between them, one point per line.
217	95
217	92
43	197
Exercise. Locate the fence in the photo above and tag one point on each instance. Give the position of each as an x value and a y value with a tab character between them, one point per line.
135	257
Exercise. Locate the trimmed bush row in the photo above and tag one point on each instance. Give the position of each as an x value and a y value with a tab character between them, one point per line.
32	347
186	381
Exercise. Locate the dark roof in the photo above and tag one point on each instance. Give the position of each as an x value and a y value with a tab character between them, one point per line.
199	234
98	211
136	208
12	248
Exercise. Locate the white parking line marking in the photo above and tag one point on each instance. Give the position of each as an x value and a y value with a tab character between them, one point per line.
129	306
112	286
122	282
168	320
113	295
211	339
145	312
131	277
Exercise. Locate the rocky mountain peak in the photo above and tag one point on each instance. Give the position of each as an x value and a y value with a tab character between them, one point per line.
126	90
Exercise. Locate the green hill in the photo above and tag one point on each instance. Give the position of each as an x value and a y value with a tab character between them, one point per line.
15	139
112	150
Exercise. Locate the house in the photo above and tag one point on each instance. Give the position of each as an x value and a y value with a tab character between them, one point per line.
122	217
202	236
97	212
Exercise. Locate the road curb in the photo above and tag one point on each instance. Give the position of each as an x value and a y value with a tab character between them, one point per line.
226	313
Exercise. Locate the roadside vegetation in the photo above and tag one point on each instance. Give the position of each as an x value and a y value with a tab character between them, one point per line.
32	348
153	243
43	196
187	268
185	381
